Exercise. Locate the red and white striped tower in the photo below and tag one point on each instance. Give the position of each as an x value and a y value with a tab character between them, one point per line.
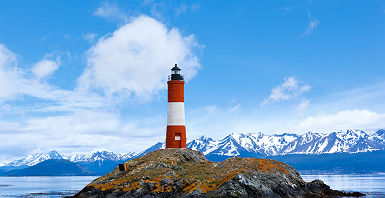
176	130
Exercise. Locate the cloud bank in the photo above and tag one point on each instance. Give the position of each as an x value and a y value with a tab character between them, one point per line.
137	57
347	119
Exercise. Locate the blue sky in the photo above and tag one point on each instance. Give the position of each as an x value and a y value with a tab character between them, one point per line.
80	76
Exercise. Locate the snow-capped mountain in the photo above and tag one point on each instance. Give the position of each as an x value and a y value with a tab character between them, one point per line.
378	137
259	144
344	141
76	157
34	159
244	145
105	155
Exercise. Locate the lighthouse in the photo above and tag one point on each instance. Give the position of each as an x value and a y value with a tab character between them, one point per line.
176	130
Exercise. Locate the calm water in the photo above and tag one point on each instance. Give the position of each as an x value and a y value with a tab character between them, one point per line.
35	187
371	185
42	186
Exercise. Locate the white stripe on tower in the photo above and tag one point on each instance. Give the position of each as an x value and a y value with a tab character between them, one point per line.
175	114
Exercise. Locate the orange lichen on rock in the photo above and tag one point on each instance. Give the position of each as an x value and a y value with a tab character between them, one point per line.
171	162
267	165
198	176
161	189
109	185
209	184
190	188
183	171
228	178
132	186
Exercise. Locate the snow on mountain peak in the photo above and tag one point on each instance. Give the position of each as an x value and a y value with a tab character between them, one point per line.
351	135
310	136
34	159
106	155
204	138
76	157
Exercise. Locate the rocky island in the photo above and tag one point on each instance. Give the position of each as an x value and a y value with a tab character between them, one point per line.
187	173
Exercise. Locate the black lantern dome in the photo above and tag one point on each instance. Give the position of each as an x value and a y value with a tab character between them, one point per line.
175	73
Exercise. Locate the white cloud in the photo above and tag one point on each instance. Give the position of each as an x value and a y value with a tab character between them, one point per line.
348	119
136	59
7	58
9	73
181	9
310	28
303	105
89	37
45	67
111	11
291	88
83	131
15	82
185	7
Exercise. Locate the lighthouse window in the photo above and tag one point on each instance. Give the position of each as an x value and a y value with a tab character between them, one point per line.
177	137
175	72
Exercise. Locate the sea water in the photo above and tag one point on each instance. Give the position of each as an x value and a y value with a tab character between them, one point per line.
47	186
372	185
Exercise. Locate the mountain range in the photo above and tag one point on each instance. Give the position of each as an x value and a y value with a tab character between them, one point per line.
97	163
235	144
34	159
261	145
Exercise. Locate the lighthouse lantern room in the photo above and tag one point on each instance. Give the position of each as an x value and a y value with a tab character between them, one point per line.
176	130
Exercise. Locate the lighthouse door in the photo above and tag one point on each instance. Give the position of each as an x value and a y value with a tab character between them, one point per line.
178	141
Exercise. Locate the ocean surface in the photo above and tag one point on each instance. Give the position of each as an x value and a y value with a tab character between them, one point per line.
47	186
372	185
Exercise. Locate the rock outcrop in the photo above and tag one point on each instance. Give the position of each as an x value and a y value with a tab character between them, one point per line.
187	173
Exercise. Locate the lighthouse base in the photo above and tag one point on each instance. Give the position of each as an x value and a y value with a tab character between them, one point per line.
176	137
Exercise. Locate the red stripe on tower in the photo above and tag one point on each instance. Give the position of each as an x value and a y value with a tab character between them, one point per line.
176	130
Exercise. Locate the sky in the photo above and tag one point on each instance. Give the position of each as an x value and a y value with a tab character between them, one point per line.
81	76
